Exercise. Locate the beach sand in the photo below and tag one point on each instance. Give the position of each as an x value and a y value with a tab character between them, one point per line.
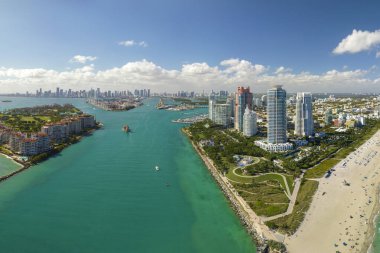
340	218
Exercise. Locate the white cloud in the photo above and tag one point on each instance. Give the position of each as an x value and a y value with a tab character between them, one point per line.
143	44
196	76
378	54
282	70
82	59
127	43
358	41
131	43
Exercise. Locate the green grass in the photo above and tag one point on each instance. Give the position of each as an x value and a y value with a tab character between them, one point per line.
290	223
290	180
265	198
273	177
236	178
319	170
261	178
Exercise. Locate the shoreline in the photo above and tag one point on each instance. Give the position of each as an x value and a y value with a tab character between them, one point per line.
372	228
27	165
11	158
259	232
355	183
23	167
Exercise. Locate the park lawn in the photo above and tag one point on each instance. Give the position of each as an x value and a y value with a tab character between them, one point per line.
320	169
27	118
290	223
290	180
274	177
44	118
261	178
265	198
245	180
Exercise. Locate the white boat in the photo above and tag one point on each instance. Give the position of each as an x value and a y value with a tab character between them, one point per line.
157	168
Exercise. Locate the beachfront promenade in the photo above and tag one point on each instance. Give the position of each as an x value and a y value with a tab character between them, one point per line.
341	215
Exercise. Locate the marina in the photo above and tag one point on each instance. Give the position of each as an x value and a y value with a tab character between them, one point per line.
191	120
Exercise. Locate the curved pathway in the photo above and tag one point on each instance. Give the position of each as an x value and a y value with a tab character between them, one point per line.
292	196
287	190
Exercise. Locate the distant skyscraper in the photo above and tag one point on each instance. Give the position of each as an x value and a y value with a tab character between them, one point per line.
328	117
276	114
249	122
243	98
304	123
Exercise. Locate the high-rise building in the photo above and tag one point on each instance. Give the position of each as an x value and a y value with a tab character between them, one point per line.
230	101
276	115
219	113
264	100
304	123
211	103
222	114
243	98
249	122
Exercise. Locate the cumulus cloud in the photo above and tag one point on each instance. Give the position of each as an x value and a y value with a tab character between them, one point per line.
197	76
131	43
82	59
358	41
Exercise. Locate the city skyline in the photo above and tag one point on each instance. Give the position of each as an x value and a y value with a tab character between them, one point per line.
76	45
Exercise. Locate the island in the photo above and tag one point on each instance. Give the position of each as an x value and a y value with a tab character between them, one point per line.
32	134
180	104
115	104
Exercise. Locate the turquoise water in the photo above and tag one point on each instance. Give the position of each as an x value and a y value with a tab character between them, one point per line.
376	243
104	195
7	165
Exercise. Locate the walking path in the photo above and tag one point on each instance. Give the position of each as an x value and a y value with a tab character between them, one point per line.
292	202
292	196
287	190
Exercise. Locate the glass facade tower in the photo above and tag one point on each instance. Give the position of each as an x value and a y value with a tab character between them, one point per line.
304	123
276	115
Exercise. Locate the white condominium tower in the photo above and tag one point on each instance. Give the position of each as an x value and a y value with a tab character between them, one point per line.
211	103
249	122
219	113
304	123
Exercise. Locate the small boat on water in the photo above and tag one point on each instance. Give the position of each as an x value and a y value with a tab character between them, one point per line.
6	101
157	168
126	129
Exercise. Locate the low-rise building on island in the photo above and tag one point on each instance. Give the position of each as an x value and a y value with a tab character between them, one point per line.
29	132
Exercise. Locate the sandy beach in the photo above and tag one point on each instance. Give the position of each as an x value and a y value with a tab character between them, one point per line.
340	218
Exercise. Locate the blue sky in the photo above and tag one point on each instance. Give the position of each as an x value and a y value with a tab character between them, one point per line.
298	35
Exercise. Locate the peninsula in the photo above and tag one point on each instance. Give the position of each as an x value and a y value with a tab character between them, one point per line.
272	186
30	135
